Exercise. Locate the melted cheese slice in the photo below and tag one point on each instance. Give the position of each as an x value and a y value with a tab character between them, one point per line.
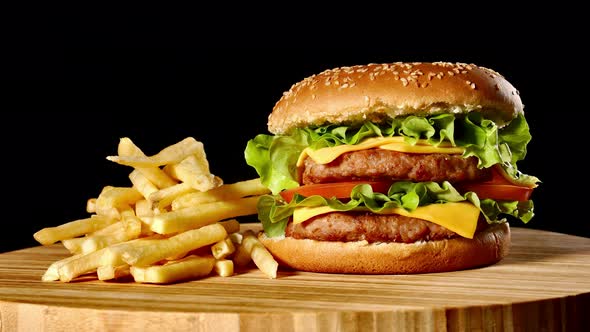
397	143
459	217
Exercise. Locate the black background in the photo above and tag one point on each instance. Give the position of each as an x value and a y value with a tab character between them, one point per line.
81	97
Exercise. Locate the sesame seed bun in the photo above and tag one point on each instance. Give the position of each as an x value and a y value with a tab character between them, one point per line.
487	247
377	91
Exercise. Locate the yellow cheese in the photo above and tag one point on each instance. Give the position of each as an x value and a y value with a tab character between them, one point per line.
397	143
460	217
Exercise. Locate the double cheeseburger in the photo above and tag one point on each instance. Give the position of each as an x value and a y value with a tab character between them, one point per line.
393	168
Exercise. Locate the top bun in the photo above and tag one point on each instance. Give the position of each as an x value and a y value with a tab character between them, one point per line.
376	92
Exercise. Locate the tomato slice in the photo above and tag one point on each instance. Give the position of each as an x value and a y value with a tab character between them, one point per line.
333	190
498	187
508	192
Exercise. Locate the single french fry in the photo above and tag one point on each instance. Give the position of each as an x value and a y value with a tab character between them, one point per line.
81	265
109	272
236	237
74	245
72	229
109	201
222	193
113	255
177	244
128	229
143	208
105	189
172	154
224	268
126	211
194	170
91	205
142	183
201	215
260	255
223	248
126	147
230	225
190	267
52	272
164	197
157	176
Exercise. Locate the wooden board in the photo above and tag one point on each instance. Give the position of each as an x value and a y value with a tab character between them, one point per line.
544	284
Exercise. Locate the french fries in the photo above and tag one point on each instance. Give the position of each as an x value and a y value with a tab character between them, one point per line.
183	242
169	155
259	254
201	215
223	193
175	222
72	229
109	272
187	268
224	267
223	248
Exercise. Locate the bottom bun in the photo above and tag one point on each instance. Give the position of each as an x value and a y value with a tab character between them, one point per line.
487	247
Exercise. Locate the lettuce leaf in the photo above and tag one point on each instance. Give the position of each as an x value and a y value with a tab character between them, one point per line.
274	157
274	214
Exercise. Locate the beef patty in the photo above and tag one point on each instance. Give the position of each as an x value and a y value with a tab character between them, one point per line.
380	164
359	226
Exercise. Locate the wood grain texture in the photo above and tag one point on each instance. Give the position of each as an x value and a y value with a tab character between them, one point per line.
543	285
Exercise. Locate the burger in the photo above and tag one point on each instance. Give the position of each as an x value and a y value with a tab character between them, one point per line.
393	168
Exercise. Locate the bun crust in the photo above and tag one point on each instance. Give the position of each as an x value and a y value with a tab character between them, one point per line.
487	247
377	91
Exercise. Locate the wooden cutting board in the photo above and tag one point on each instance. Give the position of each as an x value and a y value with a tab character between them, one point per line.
544	284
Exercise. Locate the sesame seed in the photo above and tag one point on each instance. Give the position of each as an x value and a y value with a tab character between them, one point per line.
404	81
472	86
451	73
464	72
344	86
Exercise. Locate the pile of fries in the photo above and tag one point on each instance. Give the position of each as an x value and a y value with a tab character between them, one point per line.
176	222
